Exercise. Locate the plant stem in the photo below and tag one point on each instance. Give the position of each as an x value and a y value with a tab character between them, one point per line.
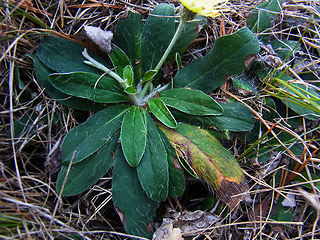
123	82
173	41
165	55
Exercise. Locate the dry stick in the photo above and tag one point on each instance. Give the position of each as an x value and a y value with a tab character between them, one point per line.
294	174
100	4
11	92
62	188
264	122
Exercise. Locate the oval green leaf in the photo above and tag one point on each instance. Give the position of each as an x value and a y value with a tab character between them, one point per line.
90	86
135	208
226	58
149	75
42	74
153	170
161	112
236	117
156	35
128	74
86	173
119	60
91	135
191	101
133	136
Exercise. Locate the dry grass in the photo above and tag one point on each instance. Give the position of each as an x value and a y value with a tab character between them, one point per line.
29	206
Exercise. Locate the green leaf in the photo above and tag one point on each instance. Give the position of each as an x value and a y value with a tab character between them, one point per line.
86	173
285	48
119	60
133	136
135	208
282	213
262	17
156	35
128	74
225	58
149	75
188	34
153	170
176	175
128	38
90	86
64	56
190	101
236	117
42	75
161	112
131	90
91	135
212	163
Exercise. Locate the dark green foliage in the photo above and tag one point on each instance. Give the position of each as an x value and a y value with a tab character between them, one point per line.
236	117
86	173
133	136
91	135
42	74
64	56
156	35
191	101
161	112
137	209
262	17
90	86
226	58
146	169
128	38
153	169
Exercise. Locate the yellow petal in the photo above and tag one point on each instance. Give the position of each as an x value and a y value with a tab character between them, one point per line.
209	8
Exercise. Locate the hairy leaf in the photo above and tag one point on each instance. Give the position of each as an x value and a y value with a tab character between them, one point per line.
128	38
156	35
42	74
236	117
225	58
134	207
133	136
84	174
64	56
190	101
160	111
90	86
128	74
119	60
153	168
91	135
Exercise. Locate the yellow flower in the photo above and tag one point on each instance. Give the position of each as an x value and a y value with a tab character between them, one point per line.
209	8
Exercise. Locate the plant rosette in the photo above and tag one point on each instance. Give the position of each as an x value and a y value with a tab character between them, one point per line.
146	117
